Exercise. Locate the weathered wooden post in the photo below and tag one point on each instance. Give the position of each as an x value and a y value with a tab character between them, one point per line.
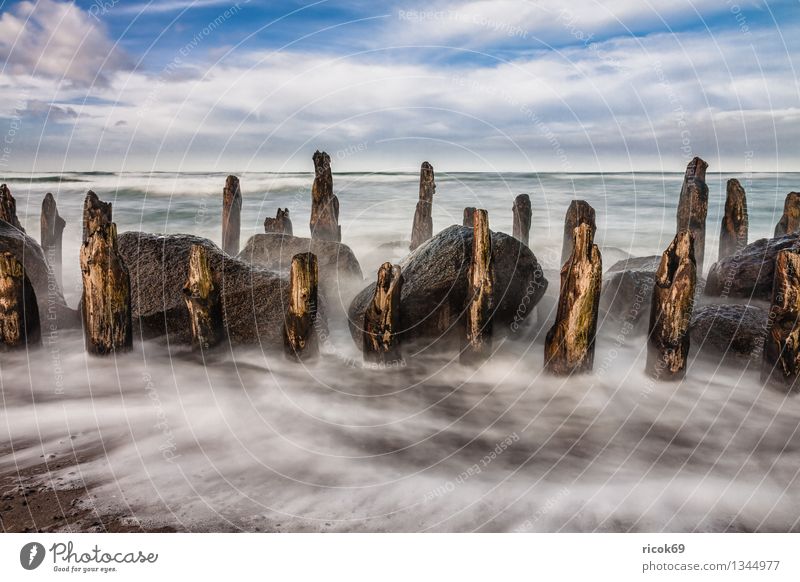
478	344
300	337
202	296
693	207
469	217
95	214
522	218
231	215
324	222
781	356
382	317
579	212
422	229
281	224
790	221
19	313
569	344
671	309
52	228
8	208
733	234
106	303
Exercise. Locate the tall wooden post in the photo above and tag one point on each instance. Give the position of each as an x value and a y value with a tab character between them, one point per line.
19	313
478	344
300	337
231	215
693	207
671	309
8	208
422	229
469	216
569	344
781	364
324	223
281	224
790	221
202	295
522	218
52	228
382	317
106	303
733	234
579	212
96	213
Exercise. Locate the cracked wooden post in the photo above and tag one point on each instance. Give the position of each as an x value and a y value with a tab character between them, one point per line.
469	216
300	337
382	317
422	228
569	344
52	228
231	215
281	224
95	214
324	223
790	221
671	310
19	313
693	207
202	296
781	356
106	302
579	212
8	208
733	233
478	337
522	218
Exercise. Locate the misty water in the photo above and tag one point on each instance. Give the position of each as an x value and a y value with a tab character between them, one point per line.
242	439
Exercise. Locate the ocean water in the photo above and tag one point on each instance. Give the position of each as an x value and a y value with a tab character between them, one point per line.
243	439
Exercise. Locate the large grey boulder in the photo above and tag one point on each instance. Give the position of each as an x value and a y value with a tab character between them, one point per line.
53	308
254	299
627	290
435	287
736	331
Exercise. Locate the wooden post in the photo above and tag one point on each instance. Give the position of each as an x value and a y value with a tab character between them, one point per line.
693	207
324	222
300	337
96	213
106	303
569	344
671	309
281	224
52	228
790	221
469	217
478	344
422	229
19	313
231	215
781	357
8	208
201	293
579	212
733	234
382	317
522	218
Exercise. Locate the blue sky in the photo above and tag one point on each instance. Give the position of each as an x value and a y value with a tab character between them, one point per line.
499	85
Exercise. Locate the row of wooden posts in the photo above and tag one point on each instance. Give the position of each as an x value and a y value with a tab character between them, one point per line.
569	343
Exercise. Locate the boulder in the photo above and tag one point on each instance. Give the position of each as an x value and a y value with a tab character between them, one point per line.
53	308
627	290
729	330
749	272
253	299
435	287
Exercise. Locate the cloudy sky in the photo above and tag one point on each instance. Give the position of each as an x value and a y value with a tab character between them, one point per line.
546	85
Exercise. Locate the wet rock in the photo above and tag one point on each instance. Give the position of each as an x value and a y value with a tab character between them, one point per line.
435	278
729	330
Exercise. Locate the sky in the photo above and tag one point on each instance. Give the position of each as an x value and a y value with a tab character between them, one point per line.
532	86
